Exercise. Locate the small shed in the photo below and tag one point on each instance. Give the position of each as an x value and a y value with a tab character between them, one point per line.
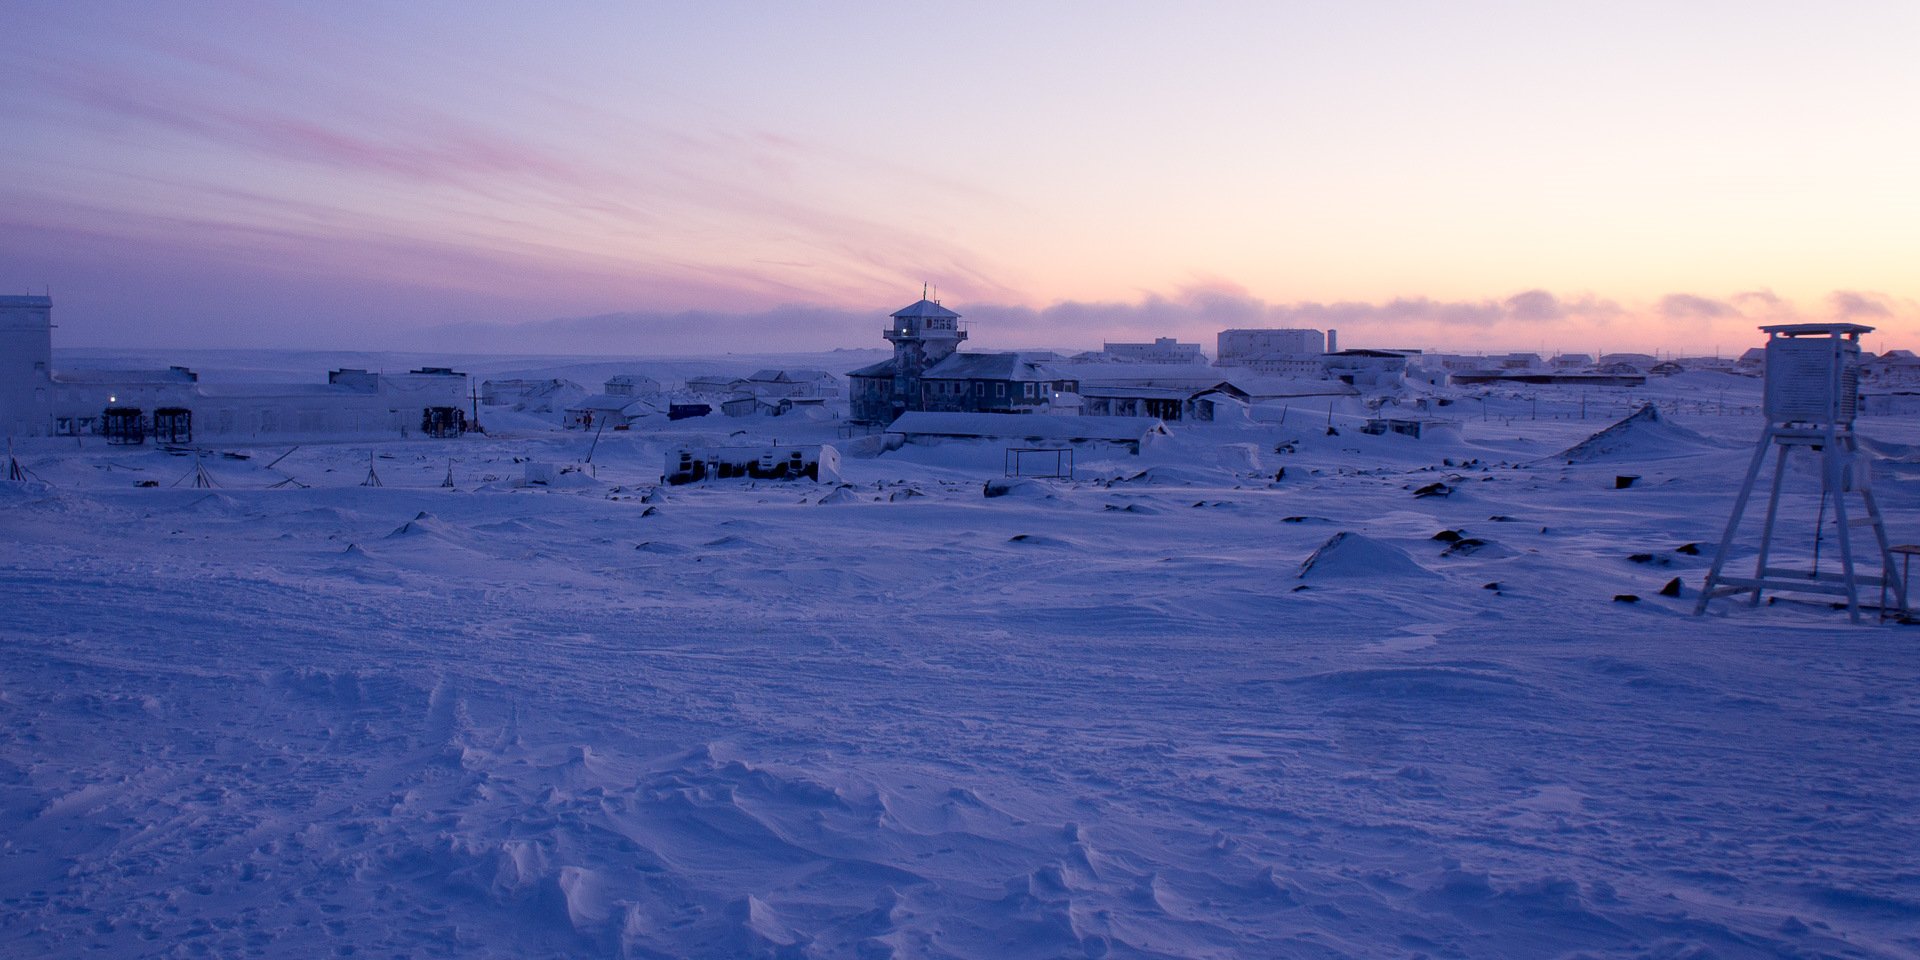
612	411
1415	427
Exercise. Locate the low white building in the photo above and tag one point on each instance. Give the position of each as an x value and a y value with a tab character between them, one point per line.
1248	347
792	383
36	400
1366	369
26	366
819	463
607	411
1161	350
925	427
632	385
525	394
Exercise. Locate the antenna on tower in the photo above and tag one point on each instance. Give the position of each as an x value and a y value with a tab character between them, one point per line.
923	289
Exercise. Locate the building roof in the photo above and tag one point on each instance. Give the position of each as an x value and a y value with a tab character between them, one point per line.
789	376
1801	329
882	369
631	407
925	309
995	366
1135	393
270	391
126	377
1025	426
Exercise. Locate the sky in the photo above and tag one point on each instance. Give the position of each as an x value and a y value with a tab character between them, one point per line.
679	178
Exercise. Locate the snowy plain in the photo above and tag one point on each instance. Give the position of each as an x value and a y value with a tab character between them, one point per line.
1117	716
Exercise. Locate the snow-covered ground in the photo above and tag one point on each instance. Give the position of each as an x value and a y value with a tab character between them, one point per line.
1118	716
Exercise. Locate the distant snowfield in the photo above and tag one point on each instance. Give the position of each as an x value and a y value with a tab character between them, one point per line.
1101	718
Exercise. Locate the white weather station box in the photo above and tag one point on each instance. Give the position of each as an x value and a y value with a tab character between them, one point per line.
1813	373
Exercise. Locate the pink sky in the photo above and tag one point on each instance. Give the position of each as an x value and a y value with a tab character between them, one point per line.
1639	176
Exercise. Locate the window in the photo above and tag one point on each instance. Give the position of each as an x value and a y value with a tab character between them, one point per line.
999	389
1029	390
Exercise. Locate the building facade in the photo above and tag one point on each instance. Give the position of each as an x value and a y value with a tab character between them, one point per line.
1245	347
922	335
26	366
1161	350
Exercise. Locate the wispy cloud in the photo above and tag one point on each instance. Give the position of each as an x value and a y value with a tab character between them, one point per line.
1854	305
1687	306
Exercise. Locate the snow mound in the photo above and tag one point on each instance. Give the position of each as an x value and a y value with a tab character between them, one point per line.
1016	487
422	524
841	494
1349	555
1184	476
1643	433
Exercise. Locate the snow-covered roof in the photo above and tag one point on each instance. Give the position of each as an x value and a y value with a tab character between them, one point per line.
612	403
1025	426
115	377
925	309
789	376
600	401
882	369
995	366
1135	393
268	391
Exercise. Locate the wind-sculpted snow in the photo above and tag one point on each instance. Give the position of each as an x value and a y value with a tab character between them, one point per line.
1093	721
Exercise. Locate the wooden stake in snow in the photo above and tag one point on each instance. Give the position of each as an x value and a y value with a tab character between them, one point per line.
15	471
200	477
373	477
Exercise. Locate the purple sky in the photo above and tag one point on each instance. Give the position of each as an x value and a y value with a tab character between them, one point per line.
750	176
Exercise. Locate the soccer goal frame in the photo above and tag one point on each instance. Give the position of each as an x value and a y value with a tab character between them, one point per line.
1040	462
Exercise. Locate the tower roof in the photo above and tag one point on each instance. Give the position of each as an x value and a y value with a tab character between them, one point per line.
923	310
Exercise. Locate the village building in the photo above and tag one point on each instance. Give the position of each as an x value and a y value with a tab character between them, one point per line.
607	411
1367	368
1161	350
926	373
993	383
819	463
922	334
533	395
1218	401
792	383
1626	362
1276	350
174	406
1571	361
716	384
26	366
632	385
1894	370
